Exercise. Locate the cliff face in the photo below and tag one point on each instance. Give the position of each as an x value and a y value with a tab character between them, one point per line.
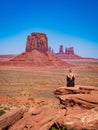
37	41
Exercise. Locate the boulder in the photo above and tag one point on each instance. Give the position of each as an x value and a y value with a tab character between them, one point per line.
10	118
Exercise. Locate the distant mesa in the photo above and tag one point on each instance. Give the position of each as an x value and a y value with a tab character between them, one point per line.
67	54
37	53
69	50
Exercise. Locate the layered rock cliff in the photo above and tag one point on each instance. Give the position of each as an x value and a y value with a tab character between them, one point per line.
37	41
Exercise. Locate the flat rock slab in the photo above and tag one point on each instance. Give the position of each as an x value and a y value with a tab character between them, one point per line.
76	90
82	96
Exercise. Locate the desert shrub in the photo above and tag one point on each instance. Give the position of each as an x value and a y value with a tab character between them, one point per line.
57	127
2	112
53	128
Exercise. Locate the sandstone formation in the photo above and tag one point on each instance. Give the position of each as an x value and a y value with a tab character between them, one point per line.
37	58
61	51
78	110
39	119
37	41
37	53
10	118
68	54
81	104
84	97
69	50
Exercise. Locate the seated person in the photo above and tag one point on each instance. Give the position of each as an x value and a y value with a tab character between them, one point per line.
70	79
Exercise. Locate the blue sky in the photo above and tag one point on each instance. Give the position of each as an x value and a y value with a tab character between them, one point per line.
65	22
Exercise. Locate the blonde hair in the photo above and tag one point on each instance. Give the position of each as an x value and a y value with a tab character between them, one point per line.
70	70
70	75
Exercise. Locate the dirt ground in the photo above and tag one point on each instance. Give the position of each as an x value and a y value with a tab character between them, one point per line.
33	86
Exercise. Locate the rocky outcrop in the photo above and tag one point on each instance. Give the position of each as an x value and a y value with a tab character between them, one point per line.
81	104
37	119
61	51
78	111
79	121
69	50
84	97
10	118
37	41
68	54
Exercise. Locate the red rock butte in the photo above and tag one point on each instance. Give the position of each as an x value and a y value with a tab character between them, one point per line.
37	41
68	54
37	54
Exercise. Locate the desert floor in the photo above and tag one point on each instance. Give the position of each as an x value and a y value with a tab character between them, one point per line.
33	86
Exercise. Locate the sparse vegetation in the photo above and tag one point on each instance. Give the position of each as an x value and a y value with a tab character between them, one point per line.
2	112
57	127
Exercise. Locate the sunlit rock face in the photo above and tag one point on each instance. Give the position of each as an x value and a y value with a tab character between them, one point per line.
37	41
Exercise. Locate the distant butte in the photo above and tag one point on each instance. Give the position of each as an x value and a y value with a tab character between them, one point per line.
37	41
67	54
37	54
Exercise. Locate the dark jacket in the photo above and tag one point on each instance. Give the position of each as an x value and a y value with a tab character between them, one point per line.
70	81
